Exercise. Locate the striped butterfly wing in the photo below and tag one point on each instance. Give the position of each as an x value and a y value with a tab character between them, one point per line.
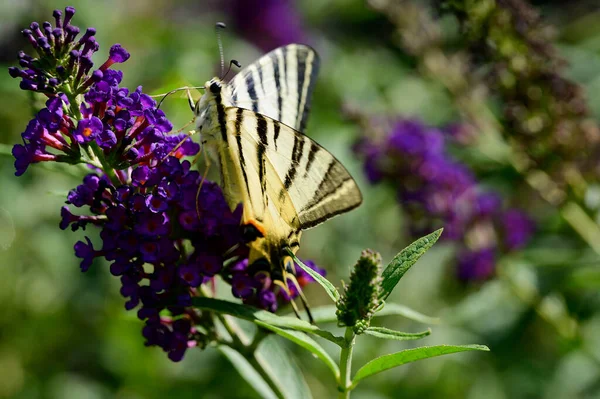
284	170
278	85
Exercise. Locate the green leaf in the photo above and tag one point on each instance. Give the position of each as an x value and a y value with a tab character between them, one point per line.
394	309
386	333
387	362
248	372
326	284
277	361
252	314
306	342
326	314
404	260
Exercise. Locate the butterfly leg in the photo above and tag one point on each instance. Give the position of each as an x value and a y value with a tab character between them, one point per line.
189	134
285	287
207	167
302	297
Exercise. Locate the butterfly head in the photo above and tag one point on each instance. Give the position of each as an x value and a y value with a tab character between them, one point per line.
207	103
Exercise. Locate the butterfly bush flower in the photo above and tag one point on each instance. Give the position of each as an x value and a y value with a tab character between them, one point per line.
436	190
164	231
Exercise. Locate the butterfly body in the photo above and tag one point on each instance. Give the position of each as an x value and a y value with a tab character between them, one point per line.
285	181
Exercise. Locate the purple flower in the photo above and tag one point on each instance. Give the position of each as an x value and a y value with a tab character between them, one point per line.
118	54
156	203
518	229
49	72
267	300
243	286
190	274
209	265
477	265
88	130
152	224
86	252
268	23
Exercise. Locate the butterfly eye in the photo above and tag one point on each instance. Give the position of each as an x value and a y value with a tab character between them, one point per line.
215	87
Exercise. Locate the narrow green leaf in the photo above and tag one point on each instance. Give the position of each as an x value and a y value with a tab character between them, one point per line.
386	333
326	284
248	372
387	362
326	314
404	260
252	314
277	361
394	309
306	342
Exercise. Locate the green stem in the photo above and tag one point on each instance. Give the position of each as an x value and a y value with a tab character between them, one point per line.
346	365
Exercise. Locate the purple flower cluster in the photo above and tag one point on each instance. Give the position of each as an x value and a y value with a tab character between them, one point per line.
436	190
164	238
61	56
164	230
258	289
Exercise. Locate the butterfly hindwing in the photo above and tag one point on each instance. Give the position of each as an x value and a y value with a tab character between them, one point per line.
279	85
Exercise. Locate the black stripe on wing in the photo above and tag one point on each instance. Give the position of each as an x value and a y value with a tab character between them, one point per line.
221	116
239	118
276	129
277	78
312	153
252	91
296	156
311	85
301	69
261	128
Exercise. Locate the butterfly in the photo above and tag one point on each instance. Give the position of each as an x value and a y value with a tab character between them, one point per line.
285	181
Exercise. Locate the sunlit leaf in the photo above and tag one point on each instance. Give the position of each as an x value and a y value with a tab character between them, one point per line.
386	333
404	260
326	284
387	362
248	372
306	342
326	314
252	314
277	361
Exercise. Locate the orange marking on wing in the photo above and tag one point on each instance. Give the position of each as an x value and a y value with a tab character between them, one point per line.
258	226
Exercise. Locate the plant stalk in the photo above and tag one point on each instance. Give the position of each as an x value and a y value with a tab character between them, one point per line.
345	385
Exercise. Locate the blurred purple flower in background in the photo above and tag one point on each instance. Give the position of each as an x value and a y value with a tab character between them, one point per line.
438	191
267	23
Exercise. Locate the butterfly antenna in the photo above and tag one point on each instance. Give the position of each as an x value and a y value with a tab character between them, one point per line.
218	27
232	62
165	95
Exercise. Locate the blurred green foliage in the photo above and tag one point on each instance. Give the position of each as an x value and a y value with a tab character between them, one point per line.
64	334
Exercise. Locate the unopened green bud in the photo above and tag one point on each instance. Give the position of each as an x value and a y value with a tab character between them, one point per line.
361	297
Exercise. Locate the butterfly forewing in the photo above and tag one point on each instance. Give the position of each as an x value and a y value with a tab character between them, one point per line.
279	85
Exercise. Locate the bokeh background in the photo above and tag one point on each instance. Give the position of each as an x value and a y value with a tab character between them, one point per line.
480	117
